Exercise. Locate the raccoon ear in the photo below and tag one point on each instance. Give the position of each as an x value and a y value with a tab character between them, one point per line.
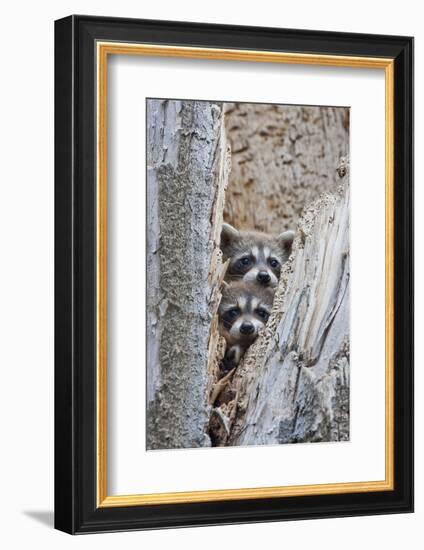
228	234
285	240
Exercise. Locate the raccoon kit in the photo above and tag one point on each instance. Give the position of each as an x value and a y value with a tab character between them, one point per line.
255	257
255	261
243	311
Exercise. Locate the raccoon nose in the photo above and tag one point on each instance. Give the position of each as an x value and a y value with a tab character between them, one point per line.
263	277
247	328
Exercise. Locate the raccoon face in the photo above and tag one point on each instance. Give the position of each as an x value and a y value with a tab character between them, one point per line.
243	311
255	257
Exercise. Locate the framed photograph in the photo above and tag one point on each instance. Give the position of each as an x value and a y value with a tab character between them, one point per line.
234	269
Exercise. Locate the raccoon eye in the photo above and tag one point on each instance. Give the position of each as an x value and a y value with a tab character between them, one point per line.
244	261
274	263
262	313
233	313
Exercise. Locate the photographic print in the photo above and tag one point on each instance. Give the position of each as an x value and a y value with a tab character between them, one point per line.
204	304
247	274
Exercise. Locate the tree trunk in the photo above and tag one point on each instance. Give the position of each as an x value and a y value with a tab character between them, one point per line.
293	384
187	170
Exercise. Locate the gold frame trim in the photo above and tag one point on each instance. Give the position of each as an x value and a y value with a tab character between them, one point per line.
103	49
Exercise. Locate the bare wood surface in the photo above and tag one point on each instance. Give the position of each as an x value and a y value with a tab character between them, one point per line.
283	158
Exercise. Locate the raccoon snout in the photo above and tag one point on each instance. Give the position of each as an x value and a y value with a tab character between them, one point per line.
263	277
247	328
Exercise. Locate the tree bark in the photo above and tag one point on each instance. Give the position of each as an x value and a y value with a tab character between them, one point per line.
283	158
187	171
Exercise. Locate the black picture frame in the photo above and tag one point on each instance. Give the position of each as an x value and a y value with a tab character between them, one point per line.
76	510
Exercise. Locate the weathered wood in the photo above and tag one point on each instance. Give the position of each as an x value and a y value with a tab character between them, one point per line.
283	158
293	385
187	170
